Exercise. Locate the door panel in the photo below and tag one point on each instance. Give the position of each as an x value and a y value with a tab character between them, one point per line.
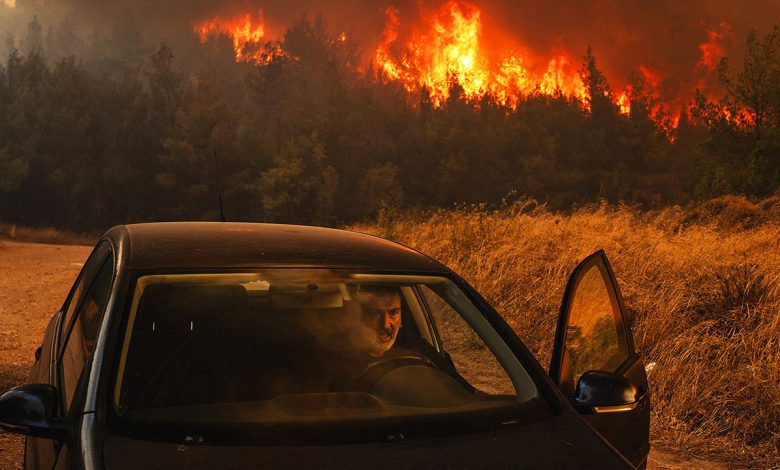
594	334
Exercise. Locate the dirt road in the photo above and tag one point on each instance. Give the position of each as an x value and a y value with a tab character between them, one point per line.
34	281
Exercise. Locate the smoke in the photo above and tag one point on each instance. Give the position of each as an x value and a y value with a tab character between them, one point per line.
678	43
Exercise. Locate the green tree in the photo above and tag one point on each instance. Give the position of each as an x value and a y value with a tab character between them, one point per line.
599	99
302	185
205	130
13	172
756	86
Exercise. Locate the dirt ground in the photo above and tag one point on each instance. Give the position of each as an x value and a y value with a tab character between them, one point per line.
34	280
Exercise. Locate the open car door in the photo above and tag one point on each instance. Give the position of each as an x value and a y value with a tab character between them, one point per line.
594	361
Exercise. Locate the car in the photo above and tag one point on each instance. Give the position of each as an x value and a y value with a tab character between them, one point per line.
233	345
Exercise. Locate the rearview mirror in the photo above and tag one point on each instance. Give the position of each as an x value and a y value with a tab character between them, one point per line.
30	410
599	391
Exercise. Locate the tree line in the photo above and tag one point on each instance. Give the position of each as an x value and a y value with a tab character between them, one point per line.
311	137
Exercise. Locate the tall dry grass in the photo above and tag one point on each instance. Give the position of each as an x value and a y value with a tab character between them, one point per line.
701	284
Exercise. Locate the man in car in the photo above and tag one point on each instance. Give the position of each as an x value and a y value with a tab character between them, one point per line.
374	345
370	335
380	315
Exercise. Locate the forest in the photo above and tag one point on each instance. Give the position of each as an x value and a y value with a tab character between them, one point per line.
133	133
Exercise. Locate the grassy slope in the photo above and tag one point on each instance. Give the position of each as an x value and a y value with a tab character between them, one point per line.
702	285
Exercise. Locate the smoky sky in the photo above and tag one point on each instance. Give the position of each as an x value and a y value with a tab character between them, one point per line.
662	36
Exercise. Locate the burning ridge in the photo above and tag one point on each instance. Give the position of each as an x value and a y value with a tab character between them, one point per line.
446	50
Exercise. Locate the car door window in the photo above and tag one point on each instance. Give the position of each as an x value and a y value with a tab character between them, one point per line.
595	337
80	342
87	275
468	351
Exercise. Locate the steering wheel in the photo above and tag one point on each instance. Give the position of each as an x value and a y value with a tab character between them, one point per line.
378	369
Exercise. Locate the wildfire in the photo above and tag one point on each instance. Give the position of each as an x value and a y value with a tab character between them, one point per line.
447	51
444	52
445	55
624	101
247	32
562	77
712	50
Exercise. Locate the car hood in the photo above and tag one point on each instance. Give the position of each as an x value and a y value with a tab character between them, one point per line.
563	441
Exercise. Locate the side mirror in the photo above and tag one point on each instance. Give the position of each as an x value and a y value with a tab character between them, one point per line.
598	391
30	410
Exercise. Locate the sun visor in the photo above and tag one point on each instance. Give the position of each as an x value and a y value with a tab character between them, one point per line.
294	296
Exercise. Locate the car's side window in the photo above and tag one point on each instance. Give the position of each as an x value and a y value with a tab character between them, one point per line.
595	338
87	275
80	341
73	302
469	353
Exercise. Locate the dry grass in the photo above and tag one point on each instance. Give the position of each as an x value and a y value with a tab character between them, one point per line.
702	285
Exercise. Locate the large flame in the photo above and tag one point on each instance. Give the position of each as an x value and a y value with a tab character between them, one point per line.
247	32
562	77
447	52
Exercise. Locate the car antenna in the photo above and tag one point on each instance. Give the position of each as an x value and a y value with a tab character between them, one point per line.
219	188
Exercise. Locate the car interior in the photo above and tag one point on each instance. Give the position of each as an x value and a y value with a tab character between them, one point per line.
196	342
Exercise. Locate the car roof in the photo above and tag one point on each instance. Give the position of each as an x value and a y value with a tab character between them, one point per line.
204	245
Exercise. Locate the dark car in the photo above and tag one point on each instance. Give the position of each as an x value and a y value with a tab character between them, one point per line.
229	345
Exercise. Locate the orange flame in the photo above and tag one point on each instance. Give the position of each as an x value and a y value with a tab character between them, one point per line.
511	81
445	53
624	102
562	78
389	36
247	33
448	53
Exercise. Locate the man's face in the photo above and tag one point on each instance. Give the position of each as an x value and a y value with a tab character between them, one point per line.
381	314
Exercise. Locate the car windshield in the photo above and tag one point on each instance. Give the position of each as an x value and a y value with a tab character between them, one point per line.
286	347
